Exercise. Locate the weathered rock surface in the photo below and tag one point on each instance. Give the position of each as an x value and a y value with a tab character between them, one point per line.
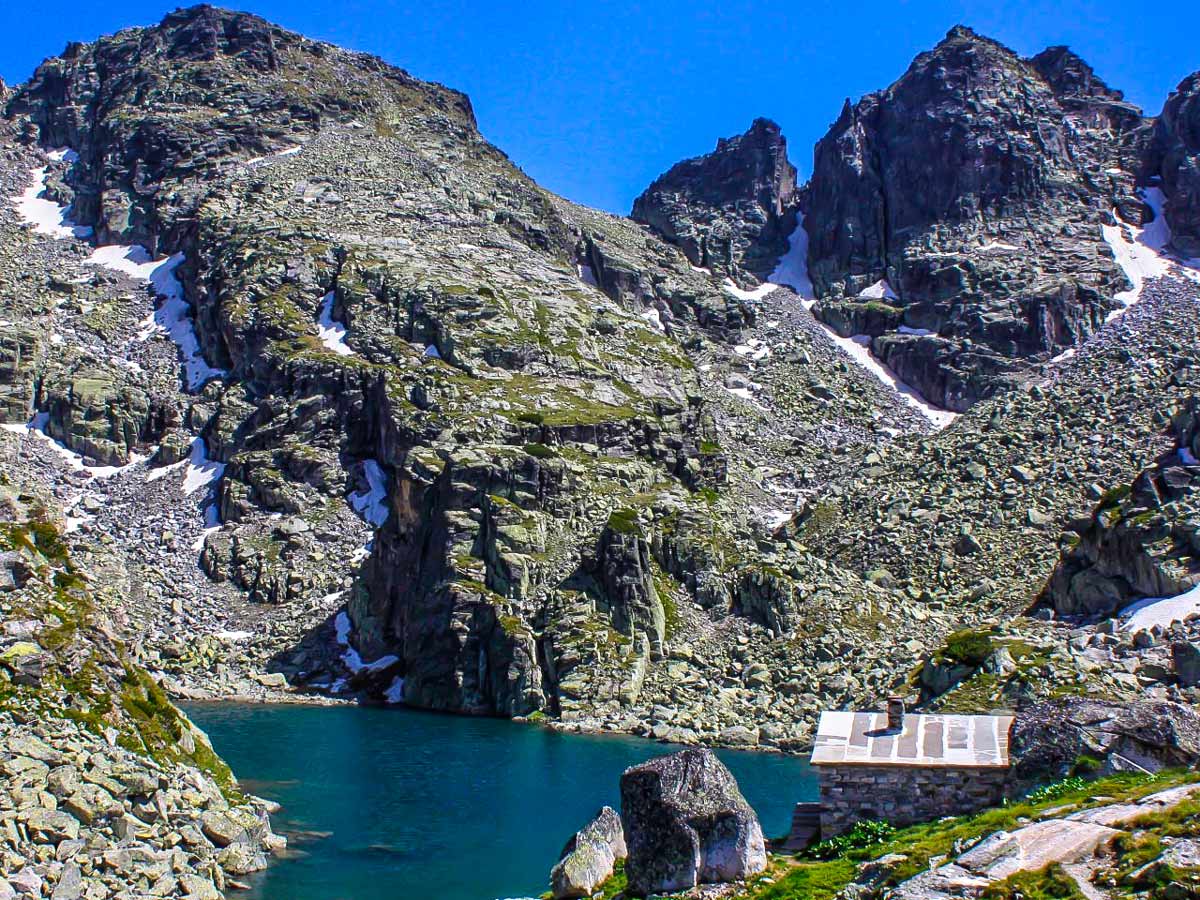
588	859
686	823
732	210
1047	740
955	217
1173	156
1140	540
107	789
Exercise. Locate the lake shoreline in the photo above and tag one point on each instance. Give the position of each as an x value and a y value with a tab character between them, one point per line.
317	700
403	796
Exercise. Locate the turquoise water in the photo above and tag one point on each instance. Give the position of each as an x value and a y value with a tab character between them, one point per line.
417	805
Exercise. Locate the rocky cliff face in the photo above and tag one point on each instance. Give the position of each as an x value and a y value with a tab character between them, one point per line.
955	217
731	210
436	436
1173	157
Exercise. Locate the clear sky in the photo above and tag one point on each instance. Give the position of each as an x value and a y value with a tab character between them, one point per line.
594	99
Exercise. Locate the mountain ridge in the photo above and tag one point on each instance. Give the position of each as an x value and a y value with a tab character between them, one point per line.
348	407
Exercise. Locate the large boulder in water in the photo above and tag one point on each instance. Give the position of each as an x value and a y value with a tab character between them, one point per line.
1146	735
589	857
686	823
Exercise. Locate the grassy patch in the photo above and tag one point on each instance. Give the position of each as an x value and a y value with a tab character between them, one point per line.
807	881
1050	883
968	647
625	521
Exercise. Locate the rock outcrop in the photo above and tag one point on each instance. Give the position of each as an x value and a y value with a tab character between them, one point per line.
1139	540
1173	157
731	210
1050	740
589	857
955	217
686	823
109	788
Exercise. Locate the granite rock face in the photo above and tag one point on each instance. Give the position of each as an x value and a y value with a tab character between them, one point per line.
1173	156
588	859
1148	735
1139	540
731	210
955	217
686	823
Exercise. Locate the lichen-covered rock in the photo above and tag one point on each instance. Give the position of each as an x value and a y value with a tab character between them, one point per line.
731	210
1047	740
686	823
588	859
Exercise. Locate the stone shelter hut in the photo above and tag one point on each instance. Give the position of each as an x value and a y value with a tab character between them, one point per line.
904	768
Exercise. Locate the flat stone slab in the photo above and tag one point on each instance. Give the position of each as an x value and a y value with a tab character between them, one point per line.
1124	813
1035	847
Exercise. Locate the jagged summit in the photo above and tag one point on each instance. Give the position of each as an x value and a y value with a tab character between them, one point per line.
730	210
255	84
972	147
1070	75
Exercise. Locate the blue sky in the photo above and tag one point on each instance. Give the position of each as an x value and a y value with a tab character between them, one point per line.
595	99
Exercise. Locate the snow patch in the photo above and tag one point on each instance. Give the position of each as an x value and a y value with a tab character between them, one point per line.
753	349
289	151
332	333
1160	611
654	317
37	428
586	275
234	636
198	544
431	351
46	216
1138	251
371	504
918	332
350	657
173	316
757	294
858	348
880	290
792	270
395	691
998	245
201	471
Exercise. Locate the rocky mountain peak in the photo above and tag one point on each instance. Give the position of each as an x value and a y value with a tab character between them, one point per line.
950	191
730	210
1070	76
262	88
203	33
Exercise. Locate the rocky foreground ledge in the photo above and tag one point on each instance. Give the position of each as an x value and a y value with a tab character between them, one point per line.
108	790
1103	802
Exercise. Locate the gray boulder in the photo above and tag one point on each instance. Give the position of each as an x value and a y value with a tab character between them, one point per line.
1185	660
589	857
686	823
1146	735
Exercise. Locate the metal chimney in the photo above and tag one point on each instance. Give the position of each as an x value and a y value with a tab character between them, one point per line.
895	713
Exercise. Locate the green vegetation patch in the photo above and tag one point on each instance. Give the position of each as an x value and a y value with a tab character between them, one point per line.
1050	883
968	647
625	521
